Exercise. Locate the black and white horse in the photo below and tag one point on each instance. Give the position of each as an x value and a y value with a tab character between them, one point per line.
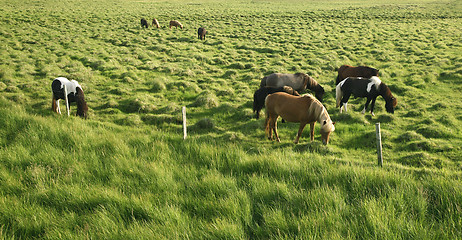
62	86
369	88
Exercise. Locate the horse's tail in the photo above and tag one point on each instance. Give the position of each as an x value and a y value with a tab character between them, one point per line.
338	94
82	108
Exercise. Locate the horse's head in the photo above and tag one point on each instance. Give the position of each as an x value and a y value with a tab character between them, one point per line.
391	104
327	127
390	101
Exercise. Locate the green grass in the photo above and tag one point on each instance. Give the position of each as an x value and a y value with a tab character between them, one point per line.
126	172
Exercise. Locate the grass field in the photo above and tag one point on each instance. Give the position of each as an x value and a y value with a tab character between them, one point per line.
127	173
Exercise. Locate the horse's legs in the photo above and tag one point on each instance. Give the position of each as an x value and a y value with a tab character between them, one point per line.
366	105
300	130
312	131
275	125
344	101
372	106
57	104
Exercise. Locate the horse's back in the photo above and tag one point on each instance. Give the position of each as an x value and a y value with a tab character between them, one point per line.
284	79
290	108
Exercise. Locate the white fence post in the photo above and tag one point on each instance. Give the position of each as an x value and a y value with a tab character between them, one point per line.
379	144
184	122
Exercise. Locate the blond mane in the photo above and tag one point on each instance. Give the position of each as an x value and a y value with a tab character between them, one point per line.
321	113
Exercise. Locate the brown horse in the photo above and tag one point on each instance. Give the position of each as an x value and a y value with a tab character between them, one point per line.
298	81
201	33
300	109
260	95
144	23
176	24
349	71
155	23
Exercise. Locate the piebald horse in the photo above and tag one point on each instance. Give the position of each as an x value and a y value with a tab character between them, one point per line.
364	87
298	81
74	94
260	95
361	71
299	109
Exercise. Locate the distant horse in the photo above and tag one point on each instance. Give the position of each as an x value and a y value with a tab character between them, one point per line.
298	81
201	33
144	23
361	71
74	94
364	87
155	23
300	109
176	24
260	95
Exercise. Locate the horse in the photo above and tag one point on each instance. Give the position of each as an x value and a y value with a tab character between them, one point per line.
364	87
155	23
201	33
299	109
298	81
144	23
74	94
260	95
176	24
361	71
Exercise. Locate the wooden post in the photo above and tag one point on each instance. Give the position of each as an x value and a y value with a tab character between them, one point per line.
184	122
379	144
67	102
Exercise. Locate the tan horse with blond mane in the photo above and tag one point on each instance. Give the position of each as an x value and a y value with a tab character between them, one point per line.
299	109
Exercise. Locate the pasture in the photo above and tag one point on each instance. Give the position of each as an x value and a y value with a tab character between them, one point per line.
127	173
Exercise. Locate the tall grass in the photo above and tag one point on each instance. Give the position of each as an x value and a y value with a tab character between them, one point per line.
126	172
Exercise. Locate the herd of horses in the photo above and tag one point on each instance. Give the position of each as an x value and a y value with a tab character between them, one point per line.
279	93
201	32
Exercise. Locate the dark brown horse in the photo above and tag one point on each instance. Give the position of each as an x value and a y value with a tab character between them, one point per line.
299	109
349	71
144	23
62	86
364	87
298	81
260	95
201	33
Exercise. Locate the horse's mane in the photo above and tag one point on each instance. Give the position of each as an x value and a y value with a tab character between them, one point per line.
82	107
321	113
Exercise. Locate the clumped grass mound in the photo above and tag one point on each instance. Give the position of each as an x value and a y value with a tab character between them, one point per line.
127	173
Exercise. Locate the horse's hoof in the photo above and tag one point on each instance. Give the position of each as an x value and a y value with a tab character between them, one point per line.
372	114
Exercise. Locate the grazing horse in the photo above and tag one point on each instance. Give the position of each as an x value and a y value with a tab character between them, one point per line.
155	23
144	23
74	94
201	33
298	81
300	109
176	24
364	87
361	71
260	95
